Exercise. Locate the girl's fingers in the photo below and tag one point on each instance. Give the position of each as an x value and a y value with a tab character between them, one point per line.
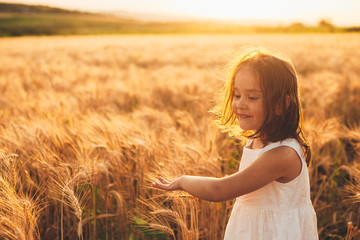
160	186
157	185
163	181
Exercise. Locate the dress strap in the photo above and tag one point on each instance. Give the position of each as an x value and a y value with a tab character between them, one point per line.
290	142
248	142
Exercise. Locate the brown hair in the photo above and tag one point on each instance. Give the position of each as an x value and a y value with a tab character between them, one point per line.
283	112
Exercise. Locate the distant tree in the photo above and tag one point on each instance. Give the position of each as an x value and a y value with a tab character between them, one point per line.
296	27
326	25
352	29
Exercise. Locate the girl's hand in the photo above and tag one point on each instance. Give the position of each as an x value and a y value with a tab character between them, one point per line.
166	185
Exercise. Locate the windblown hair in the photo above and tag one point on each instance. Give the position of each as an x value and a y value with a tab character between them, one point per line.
283	112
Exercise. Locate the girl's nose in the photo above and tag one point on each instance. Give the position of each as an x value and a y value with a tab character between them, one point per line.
240	104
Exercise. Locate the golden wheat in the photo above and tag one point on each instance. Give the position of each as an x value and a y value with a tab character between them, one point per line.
87	123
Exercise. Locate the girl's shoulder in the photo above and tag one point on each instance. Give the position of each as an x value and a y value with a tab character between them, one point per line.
286	151
280	160
288	156
288	142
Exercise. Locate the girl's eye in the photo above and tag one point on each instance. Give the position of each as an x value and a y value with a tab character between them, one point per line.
236	96
253	98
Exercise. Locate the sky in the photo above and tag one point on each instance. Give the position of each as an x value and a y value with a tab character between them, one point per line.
339	12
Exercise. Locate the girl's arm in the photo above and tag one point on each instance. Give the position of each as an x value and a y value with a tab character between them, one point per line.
278	163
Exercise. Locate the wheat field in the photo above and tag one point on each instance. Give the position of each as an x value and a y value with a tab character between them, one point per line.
88	122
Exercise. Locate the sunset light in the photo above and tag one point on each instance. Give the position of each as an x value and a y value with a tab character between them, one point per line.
179	119
339	12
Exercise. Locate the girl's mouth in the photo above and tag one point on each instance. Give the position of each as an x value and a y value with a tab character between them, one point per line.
243	116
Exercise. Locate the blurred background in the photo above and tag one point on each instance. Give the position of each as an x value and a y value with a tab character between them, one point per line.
171	16
99	98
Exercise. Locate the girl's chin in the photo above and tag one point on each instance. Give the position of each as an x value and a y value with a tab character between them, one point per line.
246	128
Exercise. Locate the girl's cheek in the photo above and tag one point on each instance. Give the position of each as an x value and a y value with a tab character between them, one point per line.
258	104
233	105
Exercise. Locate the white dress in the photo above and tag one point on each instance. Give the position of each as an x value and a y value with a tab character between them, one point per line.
276	211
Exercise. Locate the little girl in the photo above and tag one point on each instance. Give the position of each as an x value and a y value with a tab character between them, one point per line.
272	187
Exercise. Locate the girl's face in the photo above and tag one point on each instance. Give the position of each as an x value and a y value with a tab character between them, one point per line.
247	103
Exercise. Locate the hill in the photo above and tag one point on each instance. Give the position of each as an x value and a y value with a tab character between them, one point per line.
24	8
22	19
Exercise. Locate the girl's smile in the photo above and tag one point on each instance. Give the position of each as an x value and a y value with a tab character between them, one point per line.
243	116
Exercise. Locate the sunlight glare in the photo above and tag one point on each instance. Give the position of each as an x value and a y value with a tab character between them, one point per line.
231	9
